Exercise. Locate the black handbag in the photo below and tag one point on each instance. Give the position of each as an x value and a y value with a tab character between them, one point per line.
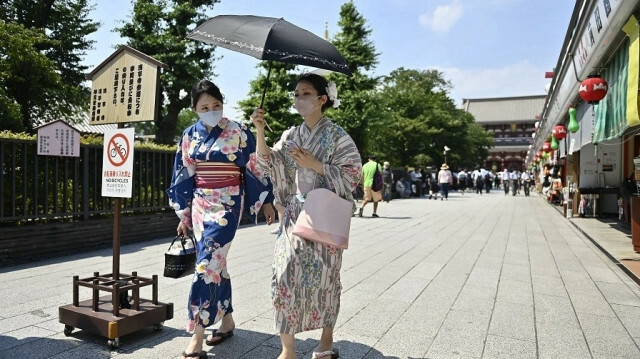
183	264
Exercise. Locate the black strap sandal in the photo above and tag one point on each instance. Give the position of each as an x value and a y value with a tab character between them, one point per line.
222	336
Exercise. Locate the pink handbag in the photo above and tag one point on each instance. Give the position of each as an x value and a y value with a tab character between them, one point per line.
325	218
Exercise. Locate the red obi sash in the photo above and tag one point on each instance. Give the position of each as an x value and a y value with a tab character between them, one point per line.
217	175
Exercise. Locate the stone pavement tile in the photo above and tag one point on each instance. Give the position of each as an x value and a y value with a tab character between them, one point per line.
602	273
305	341
512	320
548	285
475	297
42	348
260	325
555	310
261	351
607	337
618	294
406	289
546	267
350	346
484	277
87	350
384	313
630	318
591	303
463	333
515	272
23	335
515	292
425	270
19	321
557	341
508	348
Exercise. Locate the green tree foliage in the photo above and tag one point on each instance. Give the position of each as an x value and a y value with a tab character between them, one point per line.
41	70
420	119
278	101
357	108
158	29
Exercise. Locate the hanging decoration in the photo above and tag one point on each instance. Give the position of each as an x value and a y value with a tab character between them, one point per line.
593	89
559	132
546	147
573	123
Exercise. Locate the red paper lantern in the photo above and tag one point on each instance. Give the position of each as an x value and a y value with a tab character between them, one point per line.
539	153
546	147
593	89
559	132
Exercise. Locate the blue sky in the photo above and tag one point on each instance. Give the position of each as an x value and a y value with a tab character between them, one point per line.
486	48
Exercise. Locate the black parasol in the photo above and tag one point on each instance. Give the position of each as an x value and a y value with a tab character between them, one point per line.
271	39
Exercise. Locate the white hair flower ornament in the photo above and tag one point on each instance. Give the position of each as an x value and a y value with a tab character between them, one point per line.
332	93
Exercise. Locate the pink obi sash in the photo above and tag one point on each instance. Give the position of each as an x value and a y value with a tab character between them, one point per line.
217	175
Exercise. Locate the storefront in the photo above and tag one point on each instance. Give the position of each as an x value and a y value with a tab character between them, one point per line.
597	154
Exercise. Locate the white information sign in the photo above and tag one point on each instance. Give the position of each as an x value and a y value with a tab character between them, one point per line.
117	163
58	139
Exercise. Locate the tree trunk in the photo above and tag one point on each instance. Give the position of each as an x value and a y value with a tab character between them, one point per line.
167	124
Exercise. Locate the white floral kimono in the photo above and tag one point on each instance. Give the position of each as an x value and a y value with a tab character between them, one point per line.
306	275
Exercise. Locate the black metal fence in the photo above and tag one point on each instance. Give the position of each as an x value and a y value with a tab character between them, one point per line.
49	187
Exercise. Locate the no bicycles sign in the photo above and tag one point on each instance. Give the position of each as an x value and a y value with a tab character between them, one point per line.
117	163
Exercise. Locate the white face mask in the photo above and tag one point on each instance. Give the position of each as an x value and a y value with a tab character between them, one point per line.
304	105
211	118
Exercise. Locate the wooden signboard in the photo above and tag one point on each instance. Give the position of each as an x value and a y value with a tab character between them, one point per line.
124	88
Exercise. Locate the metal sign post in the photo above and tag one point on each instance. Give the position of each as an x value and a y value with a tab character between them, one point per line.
124	89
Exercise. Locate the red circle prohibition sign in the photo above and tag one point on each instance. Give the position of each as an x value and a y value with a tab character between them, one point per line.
117	153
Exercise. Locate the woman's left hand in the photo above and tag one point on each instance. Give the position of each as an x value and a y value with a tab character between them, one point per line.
269	214
305	159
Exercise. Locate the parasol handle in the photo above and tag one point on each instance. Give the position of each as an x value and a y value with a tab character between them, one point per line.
266	85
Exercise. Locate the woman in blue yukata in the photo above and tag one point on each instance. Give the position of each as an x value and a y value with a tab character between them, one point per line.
215	177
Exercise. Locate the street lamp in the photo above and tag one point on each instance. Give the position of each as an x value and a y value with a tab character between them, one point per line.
446	149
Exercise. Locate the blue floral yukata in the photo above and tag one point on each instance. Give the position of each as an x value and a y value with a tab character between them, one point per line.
213	215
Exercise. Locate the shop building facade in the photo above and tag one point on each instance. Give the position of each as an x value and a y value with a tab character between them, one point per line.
595	161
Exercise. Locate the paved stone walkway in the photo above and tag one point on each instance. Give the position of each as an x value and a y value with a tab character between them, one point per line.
473	277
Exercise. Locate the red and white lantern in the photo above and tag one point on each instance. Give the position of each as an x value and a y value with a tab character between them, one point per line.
559	132
593	89
546	147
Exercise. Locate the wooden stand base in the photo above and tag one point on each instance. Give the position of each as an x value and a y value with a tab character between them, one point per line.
104	323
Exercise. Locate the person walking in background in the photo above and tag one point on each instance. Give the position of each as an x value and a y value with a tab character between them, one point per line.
387	179
526	182
368	171
479	181
305	282
514	182
506	178
445	179
433	185
462	181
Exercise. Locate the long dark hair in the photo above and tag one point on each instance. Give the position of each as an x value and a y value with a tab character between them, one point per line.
320	84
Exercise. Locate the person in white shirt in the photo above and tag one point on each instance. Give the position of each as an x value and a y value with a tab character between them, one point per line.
526	182
445	179
462	181
514	182
505	181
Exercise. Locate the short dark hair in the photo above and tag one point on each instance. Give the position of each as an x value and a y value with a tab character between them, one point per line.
202	87
320	84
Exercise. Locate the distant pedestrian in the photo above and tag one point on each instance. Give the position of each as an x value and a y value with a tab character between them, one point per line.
479	181
445	179
462	181
368	171
387	179
506	178
514	182
434	188
526	182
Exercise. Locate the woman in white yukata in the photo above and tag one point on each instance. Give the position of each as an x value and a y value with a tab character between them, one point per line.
318	153
215	177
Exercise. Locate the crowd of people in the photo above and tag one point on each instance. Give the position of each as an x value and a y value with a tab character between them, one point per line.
434	183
